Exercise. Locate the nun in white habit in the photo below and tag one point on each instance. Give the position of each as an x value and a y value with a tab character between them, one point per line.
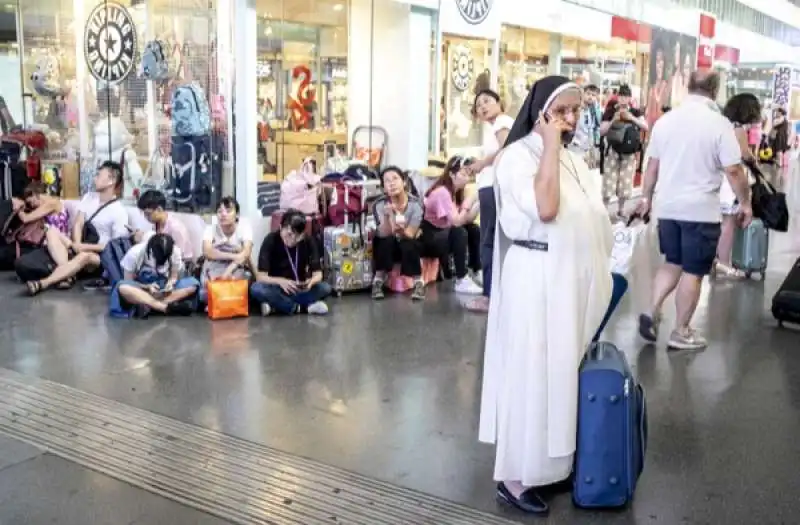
553	285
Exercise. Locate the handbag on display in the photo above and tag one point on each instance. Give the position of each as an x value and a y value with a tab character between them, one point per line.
228	299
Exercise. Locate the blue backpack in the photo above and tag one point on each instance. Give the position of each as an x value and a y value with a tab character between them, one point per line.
612	430
154	63
191	115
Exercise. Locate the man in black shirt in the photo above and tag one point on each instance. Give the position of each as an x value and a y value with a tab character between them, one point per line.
289	277
619	169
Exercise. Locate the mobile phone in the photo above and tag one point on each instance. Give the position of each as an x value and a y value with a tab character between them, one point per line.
130	228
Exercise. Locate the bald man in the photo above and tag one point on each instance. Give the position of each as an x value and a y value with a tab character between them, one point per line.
691	149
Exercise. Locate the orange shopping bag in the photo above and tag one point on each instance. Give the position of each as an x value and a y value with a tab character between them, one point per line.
228	298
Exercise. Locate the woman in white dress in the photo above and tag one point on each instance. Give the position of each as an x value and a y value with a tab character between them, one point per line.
487	107
551	288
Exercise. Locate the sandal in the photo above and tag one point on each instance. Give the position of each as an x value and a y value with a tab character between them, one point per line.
34	287
66	284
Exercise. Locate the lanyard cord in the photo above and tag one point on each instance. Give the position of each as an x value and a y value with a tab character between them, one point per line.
293	263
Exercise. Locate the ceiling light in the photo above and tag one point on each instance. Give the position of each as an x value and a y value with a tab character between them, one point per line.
338	7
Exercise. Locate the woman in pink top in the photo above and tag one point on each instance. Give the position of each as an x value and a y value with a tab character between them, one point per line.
754	136
448	226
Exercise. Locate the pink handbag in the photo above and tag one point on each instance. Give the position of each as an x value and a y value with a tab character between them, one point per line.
300	190
401	284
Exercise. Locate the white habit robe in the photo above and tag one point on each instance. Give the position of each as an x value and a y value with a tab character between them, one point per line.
545	308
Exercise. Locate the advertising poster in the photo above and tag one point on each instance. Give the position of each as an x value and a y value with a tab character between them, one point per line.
672	59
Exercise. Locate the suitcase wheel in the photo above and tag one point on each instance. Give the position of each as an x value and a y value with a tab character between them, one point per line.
748	274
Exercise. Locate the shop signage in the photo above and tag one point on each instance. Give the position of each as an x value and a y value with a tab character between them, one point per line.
705	41
462	66
109	42
474	11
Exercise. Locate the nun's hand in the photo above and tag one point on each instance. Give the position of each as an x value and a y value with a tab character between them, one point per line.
553	128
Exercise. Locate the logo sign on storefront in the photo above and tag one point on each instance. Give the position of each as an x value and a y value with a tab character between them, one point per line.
462	66
109	42
474	11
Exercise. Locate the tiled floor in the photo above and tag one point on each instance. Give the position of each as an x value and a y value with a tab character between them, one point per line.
391	390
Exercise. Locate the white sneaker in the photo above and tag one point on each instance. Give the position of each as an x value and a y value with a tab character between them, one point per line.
318	308
468	286
265	309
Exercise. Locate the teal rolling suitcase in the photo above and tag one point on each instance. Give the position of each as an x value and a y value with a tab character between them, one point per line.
750	248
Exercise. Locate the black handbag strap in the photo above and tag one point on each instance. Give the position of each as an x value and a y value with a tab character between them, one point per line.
759	176
101	208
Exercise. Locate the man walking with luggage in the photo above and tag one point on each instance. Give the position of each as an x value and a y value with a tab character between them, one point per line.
691	149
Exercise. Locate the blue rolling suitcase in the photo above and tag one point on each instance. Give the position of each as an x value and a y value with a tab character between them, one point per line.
612	430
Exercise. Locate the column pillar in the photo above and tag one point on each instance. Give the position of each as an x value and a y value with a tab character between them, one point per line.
554	63
244	107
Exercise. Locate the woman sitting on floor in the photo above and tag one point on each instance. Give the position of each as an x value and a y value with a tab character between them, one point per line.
153	281
448	226
227	246
398	216
39	205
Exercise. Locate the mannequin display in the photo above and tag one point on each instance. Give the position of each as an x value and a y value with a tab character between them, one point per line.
112	141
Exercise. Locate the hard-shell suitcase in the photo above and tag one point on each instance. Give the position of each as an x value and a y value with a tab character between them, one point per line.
750	249
612	430
786	301
348	257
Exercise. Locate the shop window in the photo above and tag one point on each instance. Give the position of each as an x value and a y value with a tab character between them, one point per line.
524	59
465	70
302	83
83	83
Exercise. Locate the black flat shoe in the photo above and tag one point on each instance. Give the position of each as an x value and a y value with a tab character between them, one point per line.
560	487
530	501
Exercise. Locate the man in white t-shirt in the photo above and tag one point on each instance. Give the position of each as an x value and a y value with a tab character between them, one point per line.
108	219
691	149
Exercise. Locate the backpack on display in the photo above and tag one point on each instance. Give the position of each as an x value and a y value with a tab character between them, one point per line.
191	115
154	65
624	138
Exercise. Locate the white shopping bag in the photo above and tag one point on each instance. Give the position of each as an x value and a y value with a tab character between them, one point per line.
636	255
626	239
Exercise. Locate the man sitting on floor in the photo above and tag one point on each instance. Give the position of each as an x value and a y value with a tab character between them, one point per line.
153	281
289	277
153	205
101	218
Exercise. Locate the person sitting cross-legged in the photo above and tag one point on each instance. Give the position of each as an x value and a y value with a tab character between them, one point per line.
289	276
153	281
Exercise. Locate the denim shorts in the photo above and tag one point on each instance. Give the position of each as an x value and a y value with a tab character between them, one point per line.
690	245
